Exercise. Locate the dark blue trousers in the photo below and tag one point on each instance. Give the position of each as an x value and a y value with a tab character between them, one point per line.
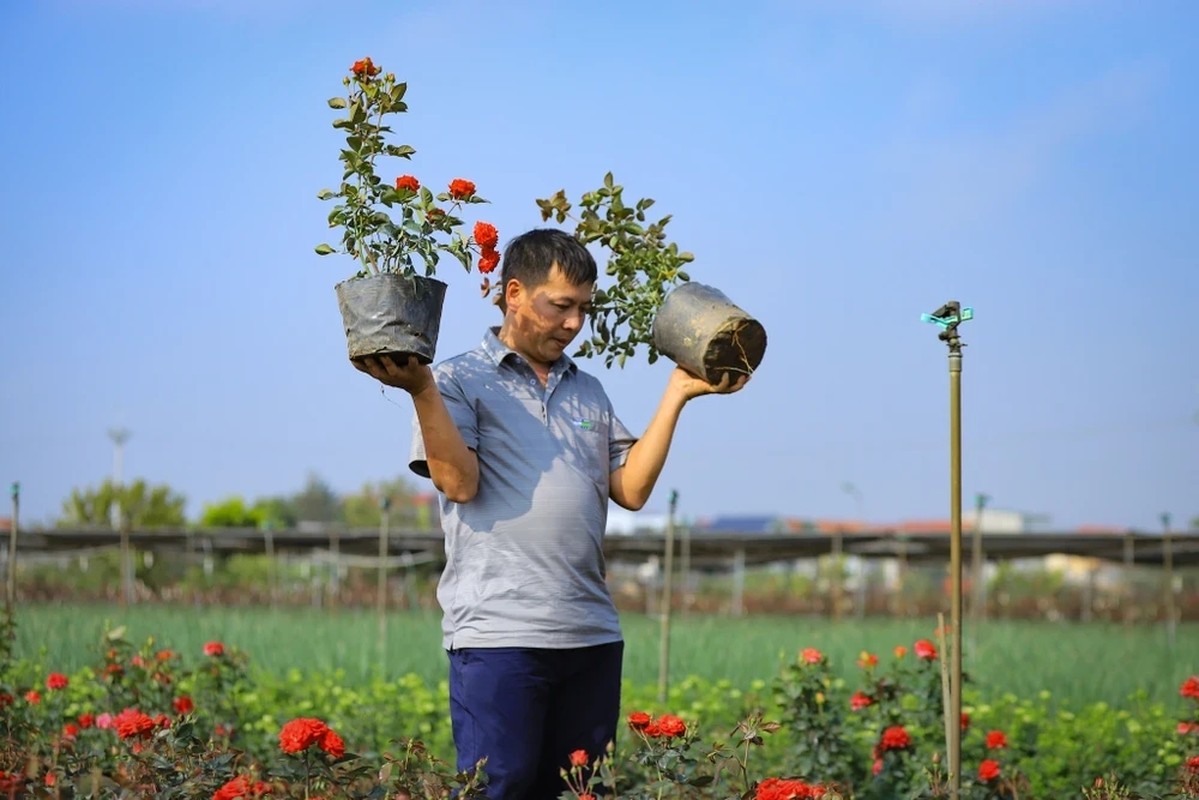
528	709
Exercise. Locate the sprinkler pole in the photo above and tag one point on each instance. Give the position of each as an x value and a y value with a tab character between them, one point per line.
948	317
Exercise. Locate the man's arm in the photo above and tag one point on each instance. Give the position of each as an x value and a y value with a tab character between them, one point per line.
453	467
631	484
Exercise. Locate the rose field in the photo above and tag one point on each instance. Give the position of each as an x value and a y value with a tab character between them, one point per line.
175	702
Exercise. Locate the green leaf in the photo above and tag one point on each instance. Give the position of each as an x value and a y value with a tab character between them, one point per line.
324	250
608	181
324	194
337	102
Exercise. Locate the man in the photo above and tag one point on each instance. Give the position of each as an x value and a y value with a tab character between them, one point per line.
526	451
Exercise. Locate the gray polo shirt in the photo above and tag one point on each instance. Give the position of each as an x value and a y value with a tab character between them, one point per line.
525	561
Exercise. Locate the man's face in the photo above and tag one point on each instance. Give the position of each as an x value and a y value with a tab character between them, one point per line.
547	318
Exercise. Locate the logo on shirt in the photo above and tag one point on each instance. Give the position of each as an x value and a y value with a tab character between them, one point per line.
583	424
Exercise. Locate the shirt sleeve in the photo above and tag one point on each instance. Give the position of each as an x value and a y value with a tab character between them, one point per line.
620	440
462	412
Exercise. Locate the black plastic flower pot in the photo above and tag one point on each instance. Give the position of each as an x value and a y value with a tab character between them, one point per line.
391	314
705	333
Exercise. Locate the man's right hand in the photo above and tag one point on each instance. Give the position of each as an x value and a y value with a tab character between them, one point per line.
402	372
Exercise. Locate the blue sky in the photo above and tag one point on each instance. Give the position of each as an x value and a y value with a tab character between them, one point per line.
837	168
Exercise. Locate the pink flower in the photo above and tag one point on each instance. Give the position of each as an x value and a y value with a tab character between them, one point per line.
104	721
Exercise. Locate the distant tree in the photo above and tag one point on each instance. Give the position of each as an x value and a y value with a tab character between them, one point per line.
142	505
316	502
277	512
364	509
229	513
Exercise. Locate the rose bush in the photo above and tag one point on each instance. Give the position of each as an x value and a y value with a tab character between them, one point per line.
150	722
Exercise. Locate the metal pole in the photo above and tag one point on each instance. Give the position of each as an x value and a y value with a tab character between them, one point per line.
381	592
664	618
1168	563
978	603
11	586
948	317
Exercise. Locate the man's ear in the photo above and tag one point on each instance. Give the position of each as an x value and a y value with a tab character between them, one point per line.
514	293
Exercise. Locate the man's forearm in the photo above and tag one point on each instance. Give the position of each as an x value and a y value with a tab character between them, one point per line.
648	456
453	466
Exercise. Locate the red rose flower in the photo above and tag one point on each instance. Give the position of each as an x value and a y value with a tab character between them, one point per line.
86	720
867	660
996	740
332	744
365	68
1187	727
578	758
70	730
671	726
1190	687
131	722
165	655
183	705
461	189
988	770
214	649
965	720
300	734
488	260
408	182
5	699
56	680
860	700
925	650
900	651
783	789
33	697
639	720
486	235
810	655
895	738
240	788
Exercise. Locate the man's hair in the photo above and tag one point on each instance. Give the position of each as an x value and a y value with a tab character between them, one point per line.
529	258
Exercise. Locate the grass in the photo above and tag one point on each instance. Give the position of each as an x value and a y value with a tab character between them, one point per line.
1077	663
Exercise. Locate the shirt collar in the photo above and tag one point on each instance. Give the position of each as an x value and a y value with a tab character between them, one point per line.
498	351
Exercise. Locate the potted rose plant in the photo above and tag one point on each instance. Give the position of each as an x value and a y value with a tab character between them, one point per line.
393	227
649	300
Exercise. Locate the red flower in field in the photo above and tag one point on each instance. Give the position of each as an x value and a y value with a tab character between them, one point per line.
50	779
138	661
5	699
301	733
365	68
214	649
114	670
332	744
240	788
131	722
586	796
461	189
486	235
104	721
867	660
489	259
162	721
408	182
996	740
11	782
988	770
1190	687
70	730
56	680
183	705
639	720
895	738
925	650
578	758
900	651
1188	727
877	766
86	720
785	789
33	697
965	720
669	725
1193	763
810	655
165	655
860	700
